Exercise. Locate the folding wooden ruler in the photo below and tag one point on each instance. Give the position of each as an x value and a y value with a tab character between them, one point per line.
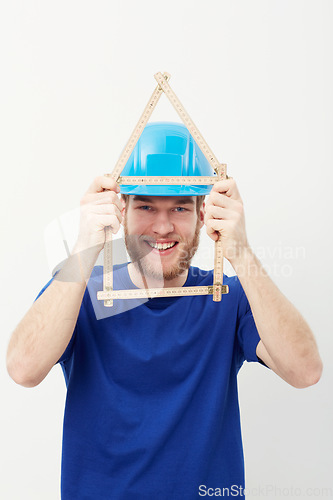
217	288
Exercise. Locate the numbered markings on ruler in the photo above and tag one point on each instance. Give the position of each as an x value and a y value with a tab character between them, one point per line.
160	292
155	180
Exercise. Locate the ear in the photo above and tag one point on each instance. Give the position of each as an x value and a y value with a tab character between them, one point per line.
124	207
202	214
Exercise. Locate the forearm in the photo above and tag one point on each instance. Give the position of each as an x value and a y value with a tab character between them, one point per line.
285	334
45	331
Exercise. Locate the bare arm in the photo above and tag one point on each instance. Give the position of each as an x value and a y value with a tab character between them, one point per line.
42	336
287	343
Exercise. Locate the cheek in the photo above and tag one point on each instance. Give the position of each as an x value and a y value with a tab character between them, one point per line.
136	224
187	231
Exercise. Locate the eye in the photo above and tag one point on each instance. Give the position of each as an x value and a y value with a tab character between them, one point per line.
180	209
144	207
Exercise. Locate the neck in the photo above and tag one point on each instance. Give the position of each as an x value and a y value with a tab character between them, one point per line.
151	282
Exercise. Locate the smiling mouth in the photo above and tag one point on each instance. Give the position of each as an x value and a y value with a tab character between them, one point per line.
162	247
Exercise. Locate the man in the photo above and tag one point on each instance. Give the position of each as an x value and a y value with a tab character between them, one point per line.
152	408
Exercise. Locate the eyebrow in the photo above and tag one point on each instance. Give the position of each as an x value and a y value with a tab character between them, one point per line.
186	200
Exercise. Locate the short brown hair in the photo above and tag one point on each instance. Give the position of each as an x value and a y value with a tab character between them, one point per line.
199	199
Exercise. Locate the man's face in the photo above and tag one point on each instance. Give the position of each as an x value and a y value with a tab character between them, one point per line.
162	233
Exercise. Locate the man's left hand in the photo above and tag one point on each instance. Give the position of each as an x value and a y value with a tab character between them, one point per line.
224	215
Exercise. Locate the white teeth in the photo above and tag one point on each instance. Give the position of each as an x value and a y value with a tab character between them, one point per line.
161	246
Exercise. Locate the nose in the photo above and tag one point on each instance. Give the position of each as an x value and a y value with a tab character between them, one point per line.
162	224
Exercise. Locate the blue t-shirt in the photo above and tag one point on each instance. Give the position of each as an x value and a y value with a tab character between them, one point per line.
152	403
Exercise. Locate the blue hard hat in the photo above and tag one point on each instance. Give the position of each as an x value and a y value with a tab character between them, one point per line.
166	149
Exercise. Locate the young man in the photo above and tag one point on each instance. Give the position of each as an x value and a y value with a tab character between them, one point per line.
152	407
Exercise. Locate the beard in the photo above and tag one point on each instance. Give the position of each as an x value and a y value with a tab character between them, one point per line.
143	263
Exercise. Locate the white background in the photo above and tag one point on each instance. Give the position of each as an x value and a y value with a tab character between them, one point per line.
256	78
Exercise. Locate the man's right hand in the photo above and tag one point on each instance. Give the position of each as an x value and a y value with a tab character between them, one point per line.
99	207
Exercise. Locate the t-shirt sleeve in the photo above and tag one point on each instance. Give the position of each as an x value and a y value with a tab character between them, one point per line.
69	349
247	333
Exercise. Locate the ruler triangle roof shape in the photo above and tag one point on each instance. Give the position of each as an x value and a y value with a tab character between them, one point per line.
216	289
164	87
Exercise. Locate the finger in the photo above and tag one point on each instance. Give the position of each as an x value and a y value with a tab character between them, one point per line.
227	187
102	198
214	212
109	220
108	210
103	182
215	227
222	200
212	233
